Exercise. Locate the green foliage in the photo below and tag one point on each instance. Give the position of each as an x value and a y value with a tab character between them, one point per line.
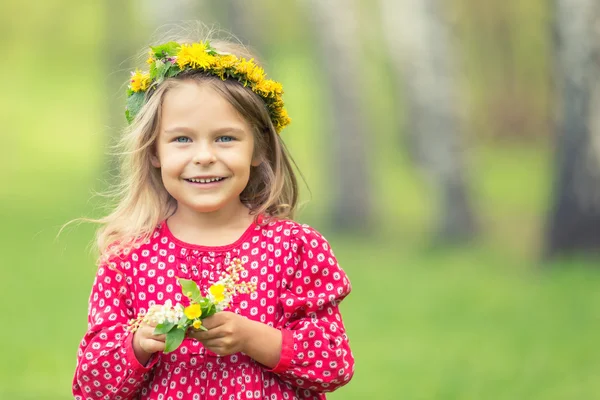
160	70
174	339
135	102
164	328
166	49
190	289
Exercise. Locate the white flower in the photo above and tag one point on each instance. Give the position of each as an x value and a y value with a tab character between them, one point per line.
166	313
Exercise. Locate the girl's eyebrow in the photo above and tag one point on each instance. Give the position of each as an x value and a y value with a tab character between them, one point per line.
189	131
179	130
228	129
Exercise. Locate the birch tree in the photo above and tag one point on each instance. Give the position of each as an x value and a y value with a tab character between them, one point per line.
335	24
418	38
574	219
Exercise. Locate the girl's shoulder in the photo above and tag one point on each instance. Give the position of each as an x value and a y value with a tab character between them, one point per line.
296	231
162	243
118	254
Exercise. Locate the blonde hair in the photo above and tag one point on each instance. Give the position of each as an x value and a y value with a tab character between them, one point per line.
142	201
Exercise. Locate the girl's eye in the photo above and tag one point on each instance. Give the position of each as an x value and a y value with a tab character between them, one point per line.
182	139
225	139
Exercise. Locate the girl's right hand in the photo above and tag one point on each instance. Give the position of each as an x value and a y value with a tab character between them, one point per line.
146	343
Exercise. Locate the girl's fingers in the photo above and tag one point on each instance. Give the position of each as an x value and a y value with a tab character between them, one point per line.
207	335
152	346
213	344
148	332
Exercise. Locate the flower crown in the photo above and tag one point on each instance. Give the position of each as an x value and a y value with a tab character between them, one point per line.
170	59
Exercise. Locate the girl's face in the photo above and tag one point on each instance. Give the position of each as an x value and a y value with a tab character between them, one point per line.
204	149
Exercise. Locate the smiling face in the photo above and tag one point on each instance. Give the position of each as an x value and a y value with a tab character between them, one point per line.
204	149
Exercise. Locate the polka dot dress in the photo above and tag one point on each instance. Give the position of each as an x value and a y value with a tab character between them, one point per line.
299	287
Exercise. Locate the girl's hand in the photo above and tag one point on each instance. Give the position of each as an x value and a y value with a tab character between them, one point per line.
146	343
227	333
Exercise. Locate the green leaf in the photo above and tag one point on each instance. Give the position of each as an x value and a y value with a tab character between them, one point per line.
174	339
209	310
134	104
166	49
172	71
163	328
205	302
161	69
153	69
211	50
188	286
182	321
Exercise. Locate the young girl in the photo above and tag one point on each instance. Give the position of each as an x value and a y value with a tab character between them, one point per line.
207	180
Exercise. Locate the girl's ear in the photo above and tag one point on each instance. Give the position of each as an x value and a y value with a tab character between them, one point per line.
155	161
256	160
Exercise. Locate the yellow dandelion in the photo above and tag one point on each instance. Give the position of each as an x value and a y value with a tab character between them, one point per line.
268	87
222	64
197	324
139	81
195	56
218	292
251	71
193	311
150	59
256	75
225	61
282	119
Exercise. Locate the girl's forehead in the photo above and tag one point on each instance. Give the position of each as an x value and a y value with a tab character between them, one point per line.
192	105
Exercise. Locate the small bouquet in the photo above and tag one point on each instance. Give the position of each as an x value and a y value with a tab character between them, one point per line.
174	321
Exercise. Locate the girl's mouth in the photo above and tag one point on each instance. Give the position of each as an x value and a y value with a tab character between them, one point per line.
204	181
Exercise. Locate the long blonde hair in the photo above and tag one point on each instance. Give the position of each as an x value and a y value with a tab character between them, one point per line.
142	201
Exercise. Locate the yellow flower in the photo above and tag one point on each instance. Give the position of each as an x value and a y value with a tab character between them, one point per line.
268	87
222	63
256	75
197	324
225	61
195	56
218	292
193	311
150	59
139	81
253	72
282	120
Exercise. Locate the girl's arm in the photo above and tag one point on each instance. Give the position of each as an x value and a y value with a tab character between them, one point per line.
308	348
107	367
315	353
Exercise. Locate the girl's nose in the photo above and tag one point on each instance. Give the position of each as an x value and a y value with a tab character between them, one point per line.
204	155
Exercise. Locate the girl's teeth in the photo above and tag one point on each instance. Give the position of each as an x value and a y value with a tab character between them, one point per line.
205	180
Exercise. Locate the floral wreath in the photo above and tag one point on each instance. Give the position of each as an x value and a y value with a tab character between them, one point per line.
170	59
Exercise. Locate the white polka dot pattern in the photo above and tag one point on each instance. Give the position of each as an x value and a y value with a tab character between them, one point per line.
300	285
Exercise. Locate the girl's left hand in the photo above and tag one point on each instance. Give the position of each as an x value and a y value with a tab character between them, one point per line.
227	333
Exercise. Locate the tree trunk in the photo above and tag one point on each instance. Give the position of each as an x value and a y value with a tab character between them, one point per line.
418	39
334	22
574	220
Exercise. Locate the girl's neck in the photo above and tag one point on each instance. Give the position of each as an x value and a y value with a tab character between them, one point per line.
218	228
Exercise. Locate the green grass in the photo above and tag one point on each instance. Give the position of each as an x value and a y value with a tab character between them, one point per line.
468	323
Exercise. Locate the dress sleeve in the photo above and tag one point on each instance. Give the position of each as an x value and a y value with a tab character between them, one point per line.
315	352
106	364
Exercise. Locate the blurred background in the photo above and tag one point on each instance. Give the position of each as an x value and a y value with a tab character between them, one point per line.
451	149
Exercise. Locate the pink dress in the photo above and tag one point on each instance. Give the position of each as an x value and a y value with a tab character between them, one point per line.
299	287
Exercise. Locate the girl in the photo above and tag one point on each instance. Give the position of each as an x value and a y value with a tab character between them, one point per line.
207	180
